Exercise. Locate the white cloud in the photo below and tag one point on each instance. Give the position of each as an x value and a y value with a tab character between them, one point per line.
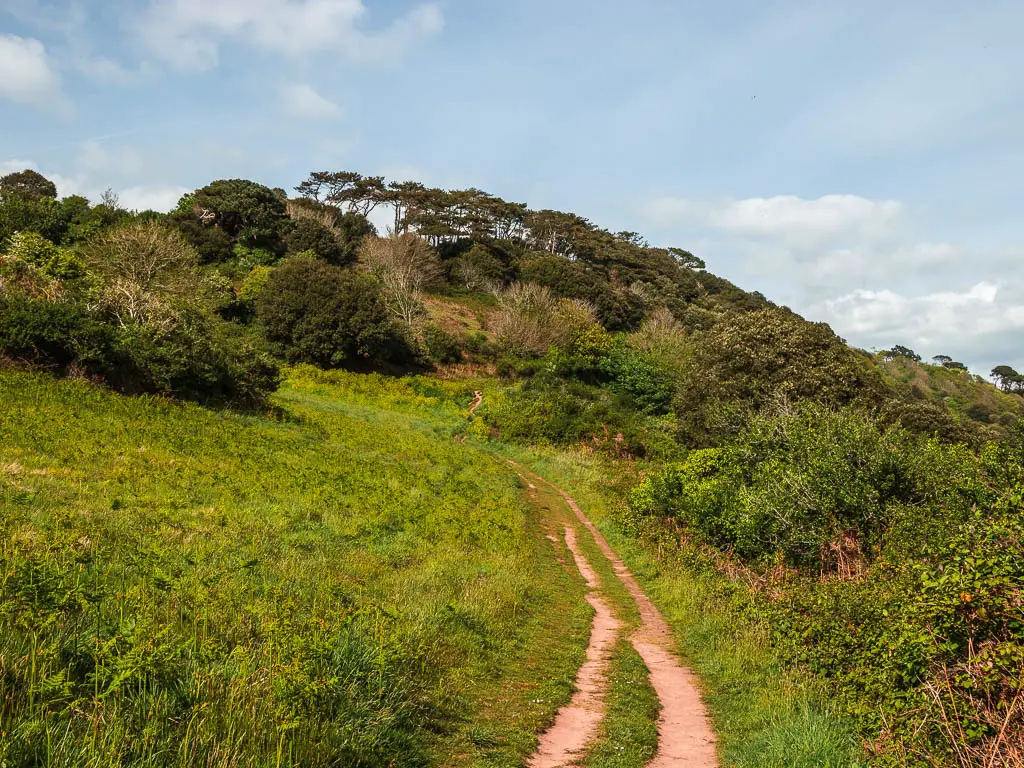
973	324
188	33
859	265
27	75
93	177
301	100
785	218
151	198
108	71
65	185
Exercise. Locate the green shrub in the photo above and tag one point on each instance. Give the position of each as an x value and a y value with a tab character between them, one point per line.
640	375
307	235
816	486
195	360
56	334
442	346
314	312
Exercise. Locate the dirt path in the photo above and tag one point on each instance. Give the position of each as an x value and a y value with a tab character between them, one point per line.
478	399
685	736
577	722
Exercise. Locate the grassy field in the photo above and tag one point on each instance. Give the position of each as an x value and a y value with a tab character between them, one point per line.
345	585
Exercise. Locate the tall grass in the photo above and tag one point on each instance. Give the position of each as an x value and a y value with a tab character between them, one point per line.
184	587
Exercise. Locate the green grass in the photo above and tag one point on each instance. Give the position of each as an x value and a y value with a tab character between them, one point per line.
765	714
629	734
345	585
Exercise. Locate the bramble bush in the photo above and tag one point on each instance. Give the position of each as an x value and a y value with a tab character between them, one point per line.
903	570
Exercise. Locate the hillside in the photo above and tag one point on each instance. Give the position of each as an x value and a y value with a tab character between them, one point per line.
259	523
966	395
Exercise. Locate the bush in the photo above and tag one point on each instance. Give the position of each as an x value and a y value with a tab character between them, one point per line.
820	488
314	312
195	360
307	235
53	334
442	346
748	360
549	410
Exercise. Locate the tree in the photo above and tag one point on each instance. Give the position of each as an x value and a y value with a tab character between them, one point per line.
749	360
249	213
314	312
477	269
308	235
1007	379
27	185
405	264
149	272
899	351
954	365
686	259
942	359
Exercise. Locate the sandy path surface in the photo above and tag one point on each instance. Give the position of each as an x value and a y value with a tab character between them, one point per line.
685	736
576	723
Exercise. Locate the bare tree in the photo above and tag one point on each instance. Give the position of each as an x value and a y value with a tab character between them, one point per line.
526	321
405	264
148	271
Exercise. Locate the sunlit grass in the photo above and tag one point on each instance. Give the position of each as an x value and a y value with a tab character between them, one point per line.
183	587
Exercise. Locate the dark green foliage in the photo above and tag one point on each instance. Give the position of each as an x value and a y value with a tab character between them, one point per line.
249	213
442	346
46	216
749	359
306	235
27	185
53	334
352	228
553	411
477	268
212	243
192	360
616	309
314	312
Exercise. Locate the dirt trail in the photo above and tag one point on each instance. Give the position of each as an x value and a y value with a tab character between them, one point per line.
577	722
685	736
478	399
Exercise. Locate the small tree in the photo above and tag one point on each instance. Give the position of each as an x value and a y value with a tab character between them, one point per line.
405	264
148	271
526	321
942	359
477	269
308	235
1007	379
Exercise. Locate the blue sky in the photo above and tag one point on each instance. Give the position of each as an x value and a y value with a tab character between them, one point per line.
861	162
